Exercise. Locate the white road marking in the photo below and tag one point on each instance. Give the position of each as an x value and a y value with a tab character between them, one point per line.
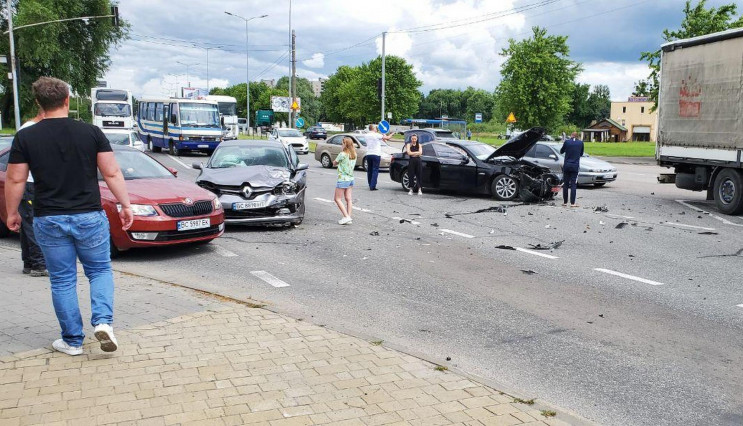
620	216
536	253
449	231
265	276
362	209
223	251
695	208
687	226
629	277
323	200
740	306
179	162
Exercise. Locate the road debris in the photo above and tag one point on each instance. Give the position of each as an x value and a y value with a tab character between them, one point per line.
528	271
601	209
708	233
621	225
503	247
550	246
435	225
497	209
374	233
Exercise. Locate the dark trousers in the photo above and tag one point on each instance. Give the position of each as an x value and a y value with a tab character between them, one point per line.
415	173
372	170
570	182
31	253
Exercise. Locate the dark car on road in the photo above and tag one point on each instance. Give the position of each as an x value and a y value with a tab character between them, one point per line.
258	182
476	168
316	132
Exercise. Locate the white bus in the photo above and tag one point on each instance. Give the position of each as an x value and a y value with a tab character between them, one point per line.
227	114
178	125
111	108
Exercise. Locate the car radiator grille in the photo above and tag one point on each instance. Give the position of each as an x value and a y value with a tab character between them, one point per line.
184	235
198	208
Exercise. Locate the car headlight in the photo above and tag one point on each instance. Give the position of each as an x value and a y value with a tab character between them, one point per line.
141	209
286	188
217	204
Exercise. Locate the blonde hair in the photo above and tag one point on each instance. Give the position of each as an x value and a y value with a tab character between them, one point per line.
348	148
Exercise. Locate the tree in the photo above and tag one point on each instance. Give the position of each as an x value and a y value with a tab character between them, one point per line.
580	114
642	88
330	100
74	51
478	101
440	102
697	21
238	92
310	104
599	102
537	80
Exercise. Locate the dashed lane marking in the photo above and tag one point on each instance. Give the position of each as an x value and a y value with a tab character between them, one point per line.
617	216
740	306
681	225
270	279
536	253
179	161
627	276
362	209
223	251
323	200
461	234
697	209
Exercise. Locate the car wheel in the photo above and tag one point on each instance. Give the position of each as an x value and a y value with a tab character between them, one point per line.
404	180
599	185
153	148
325	161
504	188
364	165
174	149
728	192
4	231
115	252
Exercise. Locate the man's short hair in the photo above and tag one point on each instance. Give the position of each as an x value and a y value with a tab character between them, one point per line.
50	93
371	127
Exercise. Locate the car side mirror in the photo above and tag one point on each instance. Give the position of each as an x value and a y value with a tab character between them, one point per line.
553	156
197	166
173	171
465	159
302	166
356	145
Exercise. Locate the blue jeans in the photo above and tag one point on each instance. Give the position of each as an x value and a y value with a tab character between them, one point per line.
372	170
63	239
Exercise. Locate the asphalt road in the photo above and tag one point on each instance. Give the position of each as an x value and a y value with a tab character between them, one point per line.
637	317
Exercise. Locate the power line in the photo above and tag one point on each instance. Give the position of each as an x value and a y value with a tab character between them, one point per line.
273	65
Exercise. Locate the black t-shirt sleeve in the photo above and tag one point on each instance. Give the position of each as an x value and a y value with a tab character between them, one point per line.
102	143
17	156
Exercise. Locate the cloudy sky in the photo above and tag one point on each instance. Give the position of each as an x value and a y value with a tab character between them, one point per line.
451	43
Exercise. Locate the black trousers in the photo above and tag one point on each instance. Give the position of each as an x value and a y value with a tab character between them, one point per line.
31	253
570	182
415	173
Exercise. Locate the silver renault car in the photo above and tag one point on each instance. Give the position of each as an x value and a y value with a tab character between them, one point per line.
593	171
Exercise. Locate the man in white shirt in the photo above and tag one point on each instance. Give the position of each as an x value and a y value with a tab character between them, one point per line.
373	155
33	259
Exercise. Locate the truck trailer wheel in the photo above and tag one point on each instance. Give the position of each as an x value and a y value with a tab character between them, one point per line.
728	192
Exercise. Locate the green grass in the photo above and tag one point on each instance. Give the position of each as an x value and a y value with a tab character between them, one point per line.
601	149
7	131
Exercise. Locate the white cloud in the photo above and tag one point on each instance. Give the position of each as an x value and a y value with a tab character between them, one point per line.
620	77
317	61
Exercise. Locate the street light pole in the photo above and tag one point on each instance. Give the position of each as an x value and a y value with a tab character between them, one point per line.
247	63
16	106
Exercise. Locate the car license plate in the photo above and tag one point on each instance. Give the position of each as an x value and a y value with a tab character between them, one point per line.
556	189
186	225
248	205
203	146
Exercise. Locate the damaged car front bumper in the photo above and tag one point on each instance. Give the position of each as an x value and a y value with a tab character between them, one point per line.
264	209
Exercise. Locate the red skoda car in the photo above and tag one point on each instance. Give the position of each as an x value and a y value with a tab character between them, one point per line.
166	210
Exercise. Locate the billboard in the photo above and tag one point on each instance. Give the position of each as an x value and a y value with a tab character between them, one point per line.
193	93
284	103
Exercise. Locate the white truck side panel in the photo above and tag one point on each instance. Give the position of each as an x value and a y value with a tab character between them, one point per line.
701	100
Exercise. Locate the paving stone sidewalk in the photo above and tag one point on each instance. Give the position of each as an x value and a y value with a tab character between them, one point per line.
231	364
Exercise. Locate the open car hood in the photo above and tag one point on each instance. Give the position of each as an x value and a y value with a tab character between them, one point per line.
256	176
518	146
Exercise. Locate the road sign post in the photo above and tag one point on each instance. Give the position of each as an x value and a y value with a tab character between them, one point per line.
299	122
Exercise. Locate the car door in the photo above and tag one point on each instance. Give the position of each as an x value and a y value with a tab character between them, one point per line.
3	169
546	156
431	167
335	146
458	171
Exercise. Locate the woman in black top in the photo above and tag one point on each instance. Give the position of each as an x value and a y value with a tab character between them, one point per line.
415	165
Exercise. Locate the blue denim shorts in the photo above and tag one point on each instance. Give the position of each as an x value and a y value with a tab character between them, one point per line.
343	184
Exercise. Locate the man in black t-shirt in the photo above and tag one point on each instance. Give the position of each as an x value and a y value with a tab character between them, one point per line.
64	156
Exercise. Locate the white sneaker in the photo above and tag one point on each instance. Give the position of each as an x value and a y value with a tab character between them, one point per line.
105	334
410	192
345	220
420	192
62	346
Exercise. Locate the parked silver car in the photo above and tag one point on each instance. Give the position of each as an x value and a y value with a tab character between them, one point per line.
592	170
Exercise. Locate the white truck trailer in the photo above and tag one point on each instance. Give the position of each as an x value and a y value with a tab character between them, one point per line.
700	116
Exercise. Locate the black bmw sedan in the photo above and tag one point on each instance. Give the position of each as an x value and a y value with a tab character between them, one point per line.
477	168
258	182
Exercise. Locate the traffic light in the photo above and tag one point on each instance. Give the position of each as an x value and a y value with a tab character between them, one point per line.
379	89
115	15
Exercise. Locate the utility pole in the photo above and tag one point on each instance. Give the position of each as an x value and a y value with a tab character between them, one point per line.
384	36
16	106
293	87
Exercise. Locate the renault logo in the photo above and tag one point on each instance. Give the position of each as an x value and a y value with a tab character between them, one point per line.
247	191
188	201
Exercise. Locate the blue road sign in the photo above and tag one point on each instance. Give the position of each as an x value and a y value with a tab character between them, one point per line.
383	126
300	122
478	118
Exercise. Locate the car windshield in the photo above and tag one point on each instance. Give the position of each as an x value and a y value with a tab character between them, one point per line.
290	133
227	108
361	139
138	165
481	151
201	115
117	138
112	110
244	156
